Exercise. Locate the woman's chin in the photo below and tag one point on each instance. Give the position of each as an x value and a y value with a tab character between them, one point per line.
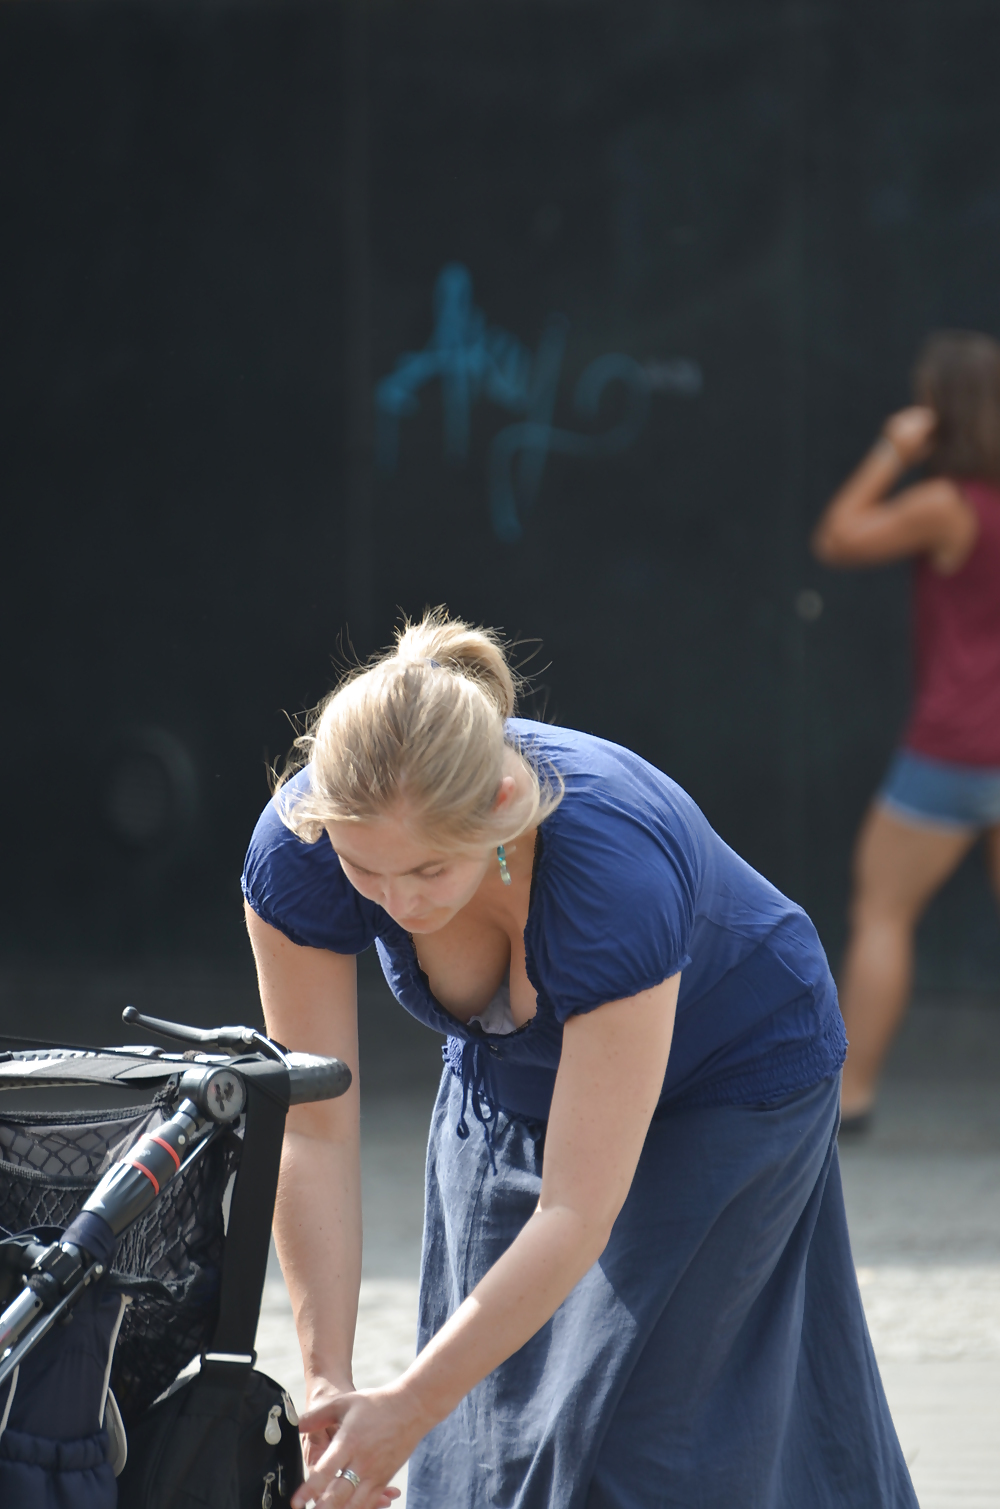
430	923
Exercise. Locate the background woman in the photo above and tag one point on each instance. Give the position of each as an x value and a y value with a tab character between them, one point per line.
943	787
637	1287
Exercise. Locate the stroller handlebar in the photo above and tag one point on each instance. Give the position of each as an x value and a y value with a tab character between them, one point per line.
207	1096
233	1039
210	1096
312	1078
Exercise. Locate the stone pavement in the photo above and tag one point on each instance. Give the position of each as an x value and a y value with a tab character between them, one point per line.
923	1197
923	1201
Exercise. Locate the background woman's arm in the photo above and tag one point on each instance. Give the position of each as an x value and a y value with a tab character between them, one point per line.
863	526
614	1058
309	998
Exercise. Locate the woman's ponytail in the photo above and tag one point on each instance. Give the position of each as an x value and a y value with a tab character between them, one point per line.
458	647
424	727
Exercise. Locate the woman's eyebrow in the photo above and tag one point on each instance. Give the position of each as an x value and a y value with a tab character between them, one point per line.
428	864
346	859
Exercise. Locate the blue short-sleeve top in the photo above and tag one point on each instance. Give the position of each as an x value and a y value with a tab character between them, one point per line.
631	886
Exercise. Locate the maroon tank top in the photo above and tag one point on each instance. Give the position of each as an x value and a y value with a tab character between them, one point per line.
956	713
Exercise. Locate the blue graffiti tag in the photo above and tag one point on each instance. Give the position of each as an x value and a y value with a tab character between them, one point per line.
472	360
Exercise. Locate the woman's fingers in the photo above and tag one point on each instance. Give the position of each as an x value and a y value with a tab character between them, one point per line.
312	1452
342	1494
326	1416
339	1494
318	1427
364	1497
313	1446
328	1485
374	1436
910	431
322	1485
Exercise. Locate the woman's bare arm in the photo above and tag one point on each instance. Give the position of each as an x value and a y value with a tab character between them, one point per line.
863	526
614	1058
309	998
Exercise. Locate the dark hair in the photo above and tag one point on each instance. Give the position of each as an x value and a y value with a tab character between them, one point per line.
958	376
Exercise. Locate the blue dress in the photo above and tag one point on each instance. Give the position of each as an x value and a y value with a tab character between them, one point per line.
716	1355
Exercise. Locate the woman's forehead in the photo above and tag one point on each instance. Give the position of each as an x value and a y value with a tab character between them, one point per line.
386	845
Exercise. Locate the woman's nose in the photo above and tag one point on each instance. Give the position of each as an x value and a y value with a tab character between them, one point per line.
398	900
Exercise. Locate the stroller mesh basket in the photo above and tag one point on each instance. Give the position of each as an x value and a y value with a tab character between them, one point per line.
132	1201
169	1262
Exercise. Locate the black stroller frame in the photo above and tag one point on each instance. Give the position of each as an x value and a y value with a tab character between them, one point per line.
131	1200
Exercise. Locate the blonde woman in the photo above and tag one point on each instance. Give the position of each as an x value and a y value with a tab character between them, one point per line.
637	1286
942	790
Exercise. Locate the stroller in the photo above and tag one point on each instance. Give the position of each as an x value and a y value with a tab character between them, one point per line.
133	1251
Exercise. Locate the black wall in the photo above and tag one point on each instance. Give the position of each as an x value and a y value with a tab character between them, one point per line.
223	227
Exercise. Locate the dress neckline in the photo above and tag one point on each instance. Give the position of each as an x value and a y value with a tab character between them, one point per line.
455	1024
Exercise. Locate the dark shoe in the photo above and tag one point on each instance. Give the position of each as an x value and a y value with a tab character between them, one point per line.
856	1125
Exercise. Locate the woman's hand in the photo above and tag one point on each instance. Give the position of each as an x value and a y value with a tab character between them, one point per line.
371	1432
910	433
321	1394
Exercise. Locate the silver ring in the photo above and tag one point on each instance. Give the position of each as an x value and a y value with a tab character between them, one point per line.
346	1472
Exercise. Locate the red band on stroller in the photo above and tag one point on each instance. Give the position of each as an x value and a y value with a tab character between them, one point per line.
169	1149
144	1170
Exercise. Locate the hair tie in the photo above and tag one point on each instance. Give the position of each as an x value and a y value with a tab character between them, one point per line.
435	664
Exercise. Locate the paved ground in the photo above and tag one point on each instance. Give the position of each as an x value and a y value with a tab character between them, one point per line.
923	1195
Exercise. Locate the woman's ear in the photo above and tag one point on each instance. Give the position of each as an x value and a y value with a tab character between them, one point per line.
505	795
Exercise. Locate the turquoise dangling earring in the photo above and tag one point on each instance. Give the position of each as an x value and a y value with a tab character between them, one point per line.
502	857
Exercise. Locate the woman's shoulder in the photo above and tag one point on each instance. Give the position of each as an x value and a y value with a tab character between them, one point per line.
612	791
300	888
618	876
982	496
985	488
580	756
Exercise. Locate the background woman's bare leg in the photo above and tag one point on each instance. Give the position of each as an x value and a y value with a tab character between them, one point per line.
898	868
992	846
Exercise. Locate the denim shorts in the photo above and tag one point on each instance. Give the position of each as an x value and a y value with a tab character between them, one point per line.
919	789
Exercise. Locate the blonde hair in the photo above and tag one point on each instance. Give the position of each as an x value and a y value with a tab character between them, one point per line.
424	724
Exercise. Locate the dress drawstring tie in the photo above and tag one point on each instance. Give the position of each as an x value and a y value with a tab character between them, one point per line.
478	1090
